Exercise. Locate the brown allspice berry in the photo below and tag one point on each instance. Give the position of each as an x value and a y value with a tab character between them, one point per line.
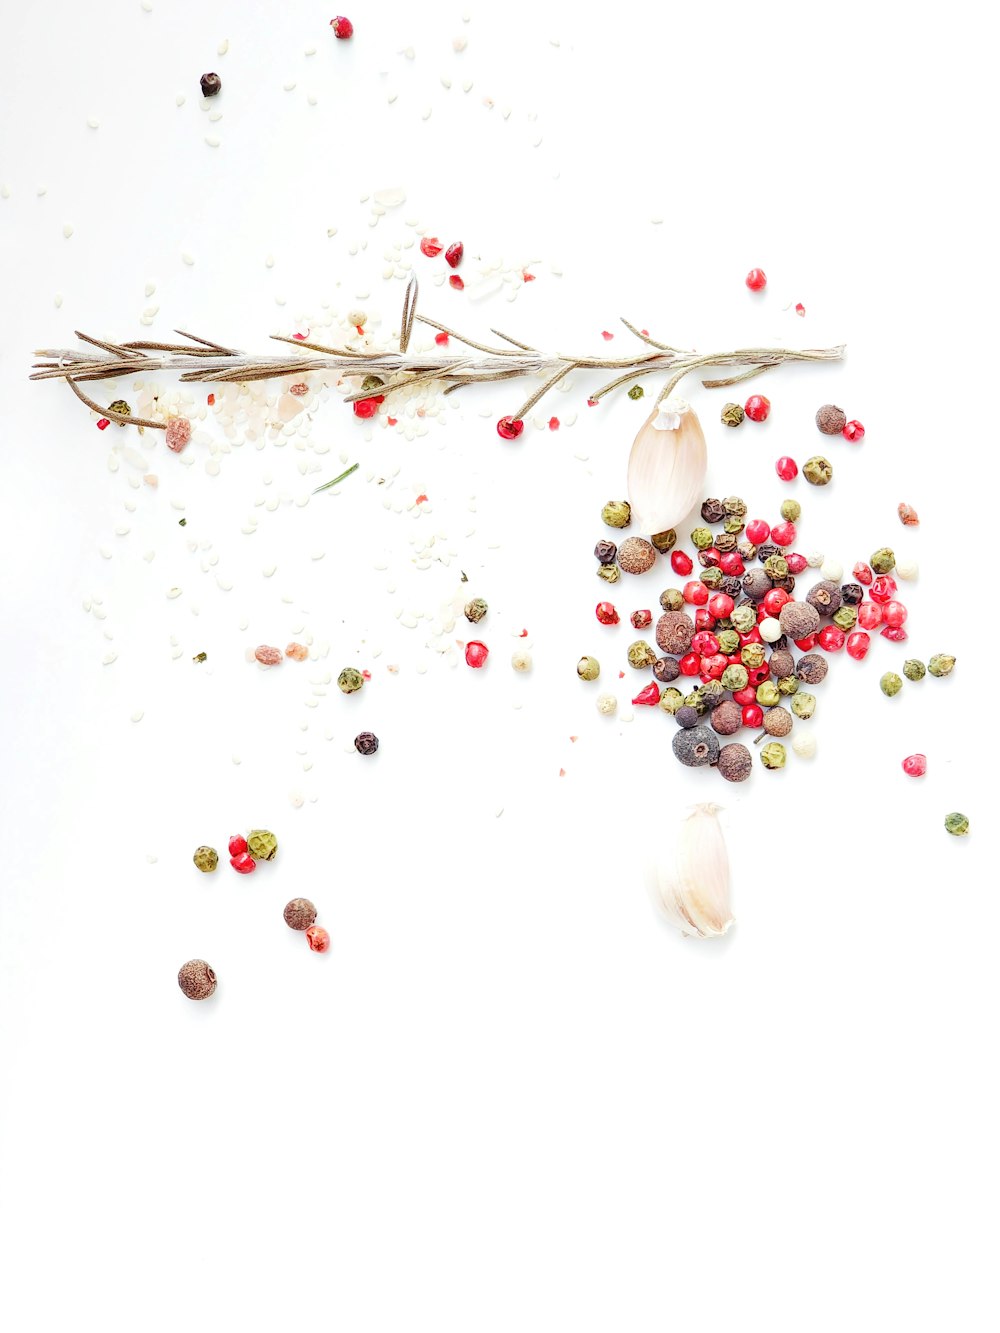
299	914
636	555
782	663
196	979
735	762
798	620
674	632
831	420
666	669
812	668
726	718
825	597
777	721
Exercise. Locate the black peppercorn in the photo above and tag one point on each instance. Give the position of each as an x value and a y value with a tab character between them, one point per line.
196	979
366	742
812	668
713	511
300	914
766	549
782	663
787	584
687	716
725	541
666	669
211	85
756	584
747	550
780	644
731	585
606	552
735	762
727	717
852	594
696	747
825	597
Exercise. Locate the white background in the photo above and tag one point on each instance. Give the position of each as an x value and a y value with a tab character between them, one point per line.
508	1097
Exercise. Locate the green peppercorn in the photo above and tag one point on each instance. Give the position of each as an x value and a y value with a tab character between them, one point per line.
773	755
768	694
697	702
475	610
788	685
588	668
732	415
371	382
957	824
744	618
941	664
671	700
664	541
262	844
609	573
120	405
350	680
733	526
206	859
914	670
817	470
640	655
803	705
672	599
712	577
734	505
791	510
752	655
729	640
712	691
883	561
776	567
617	514
846	617
712	511
702	538
735	677
890	684
636	392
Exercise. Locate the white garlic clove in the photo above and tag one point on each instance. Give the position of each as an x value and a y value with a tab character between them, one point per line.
693	883
667	467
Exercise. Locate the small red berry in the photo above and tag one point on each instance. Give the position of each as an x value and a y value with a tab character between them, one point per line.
243	864
894	614
721	605
753	714
553	423
758	674
756	279
319	939
456	282
915	765
895	634
784	534
800	308
883	588
703	618
453	255
808	643
731	563
641	619
747	695
757	407
237	844
734	659
342	28
796	563
476	653
704	643
832	638
441	339
431	247
858	644
714	665
649	695
774	601
709	557
681	562
854	431
690	664
210	400
103	424
606	613
869	615
758	531
367	407
863	573
787	468
695	593
509	428
752	637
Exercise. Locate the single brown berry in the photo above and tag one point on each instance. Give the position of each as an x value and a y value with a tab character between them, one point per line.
211	85
831	420
299	914
196	979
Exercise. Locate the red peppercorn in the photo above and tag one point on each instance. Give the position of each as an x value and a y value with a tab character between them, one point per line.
453	255
441	339
863	573
748	695
456	281
858	644
731	564
606	613
758	531
681	563
714	665
753	714
367	407
319	939
854	432
243	864
553	423
757	407
784	533
761	614
721	605
895	634
915	765
431	247
650	695
808	643
703	618
752	637
883	588
103	424
342	28
787	468
774	601
894	614
695	593
869	615
237	844
709	557
509	428
641	619
704	644
734	659
756	675
756	279
476	653
690	664
796	563
831	637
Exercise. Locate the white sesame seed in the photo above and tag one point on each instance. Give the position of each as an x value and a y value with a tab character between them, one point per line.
93	123
138	715
180	99
67	230
173	592
187	257
108	658
223	46
212	140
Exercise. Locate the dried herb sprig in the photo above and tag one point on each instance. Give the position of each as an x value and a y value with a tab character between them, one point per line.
201	361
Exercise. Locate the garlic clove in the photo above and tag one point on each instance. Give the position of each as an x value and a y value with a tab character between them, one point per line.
667	467
693	884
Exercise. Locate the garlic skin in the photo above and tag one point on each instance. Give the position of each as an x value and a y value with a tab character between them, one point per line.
667	467
693	886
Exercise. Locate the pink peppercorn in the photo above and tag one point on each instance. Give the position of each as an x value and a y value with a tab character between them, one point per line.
895	634
883	588
796	563
787	468
690	664
650	695
342	28
319	939
752	637
453	255
808	643
641	619
104	423
832	638
606	613
758	531
894	614
509	428
243	864
757	407
703	618
704	644
178	434
365	408
858	644
915	765
714	665
784	534
869	615
774	601
681	563
721	605
753	714
854	432
430	246
695	593
267	656
756	279
237	844
456	281
709	557
731	564
476	653
747	695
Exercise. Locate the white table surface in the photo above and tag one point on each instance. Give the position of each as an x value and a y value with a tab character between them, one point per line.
508	1098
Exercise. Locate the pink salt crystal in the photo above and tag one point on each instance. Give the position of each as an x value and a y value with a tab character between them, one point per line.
268	656
178	433
151	479
296	651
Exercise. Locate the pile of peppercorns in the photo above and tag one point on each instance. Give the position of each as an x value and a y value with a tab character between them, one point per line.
731	632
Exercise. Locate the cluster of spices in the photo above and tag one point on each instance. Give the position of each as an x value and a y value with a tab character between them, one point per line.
830	420
300	914
724	658
244	852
